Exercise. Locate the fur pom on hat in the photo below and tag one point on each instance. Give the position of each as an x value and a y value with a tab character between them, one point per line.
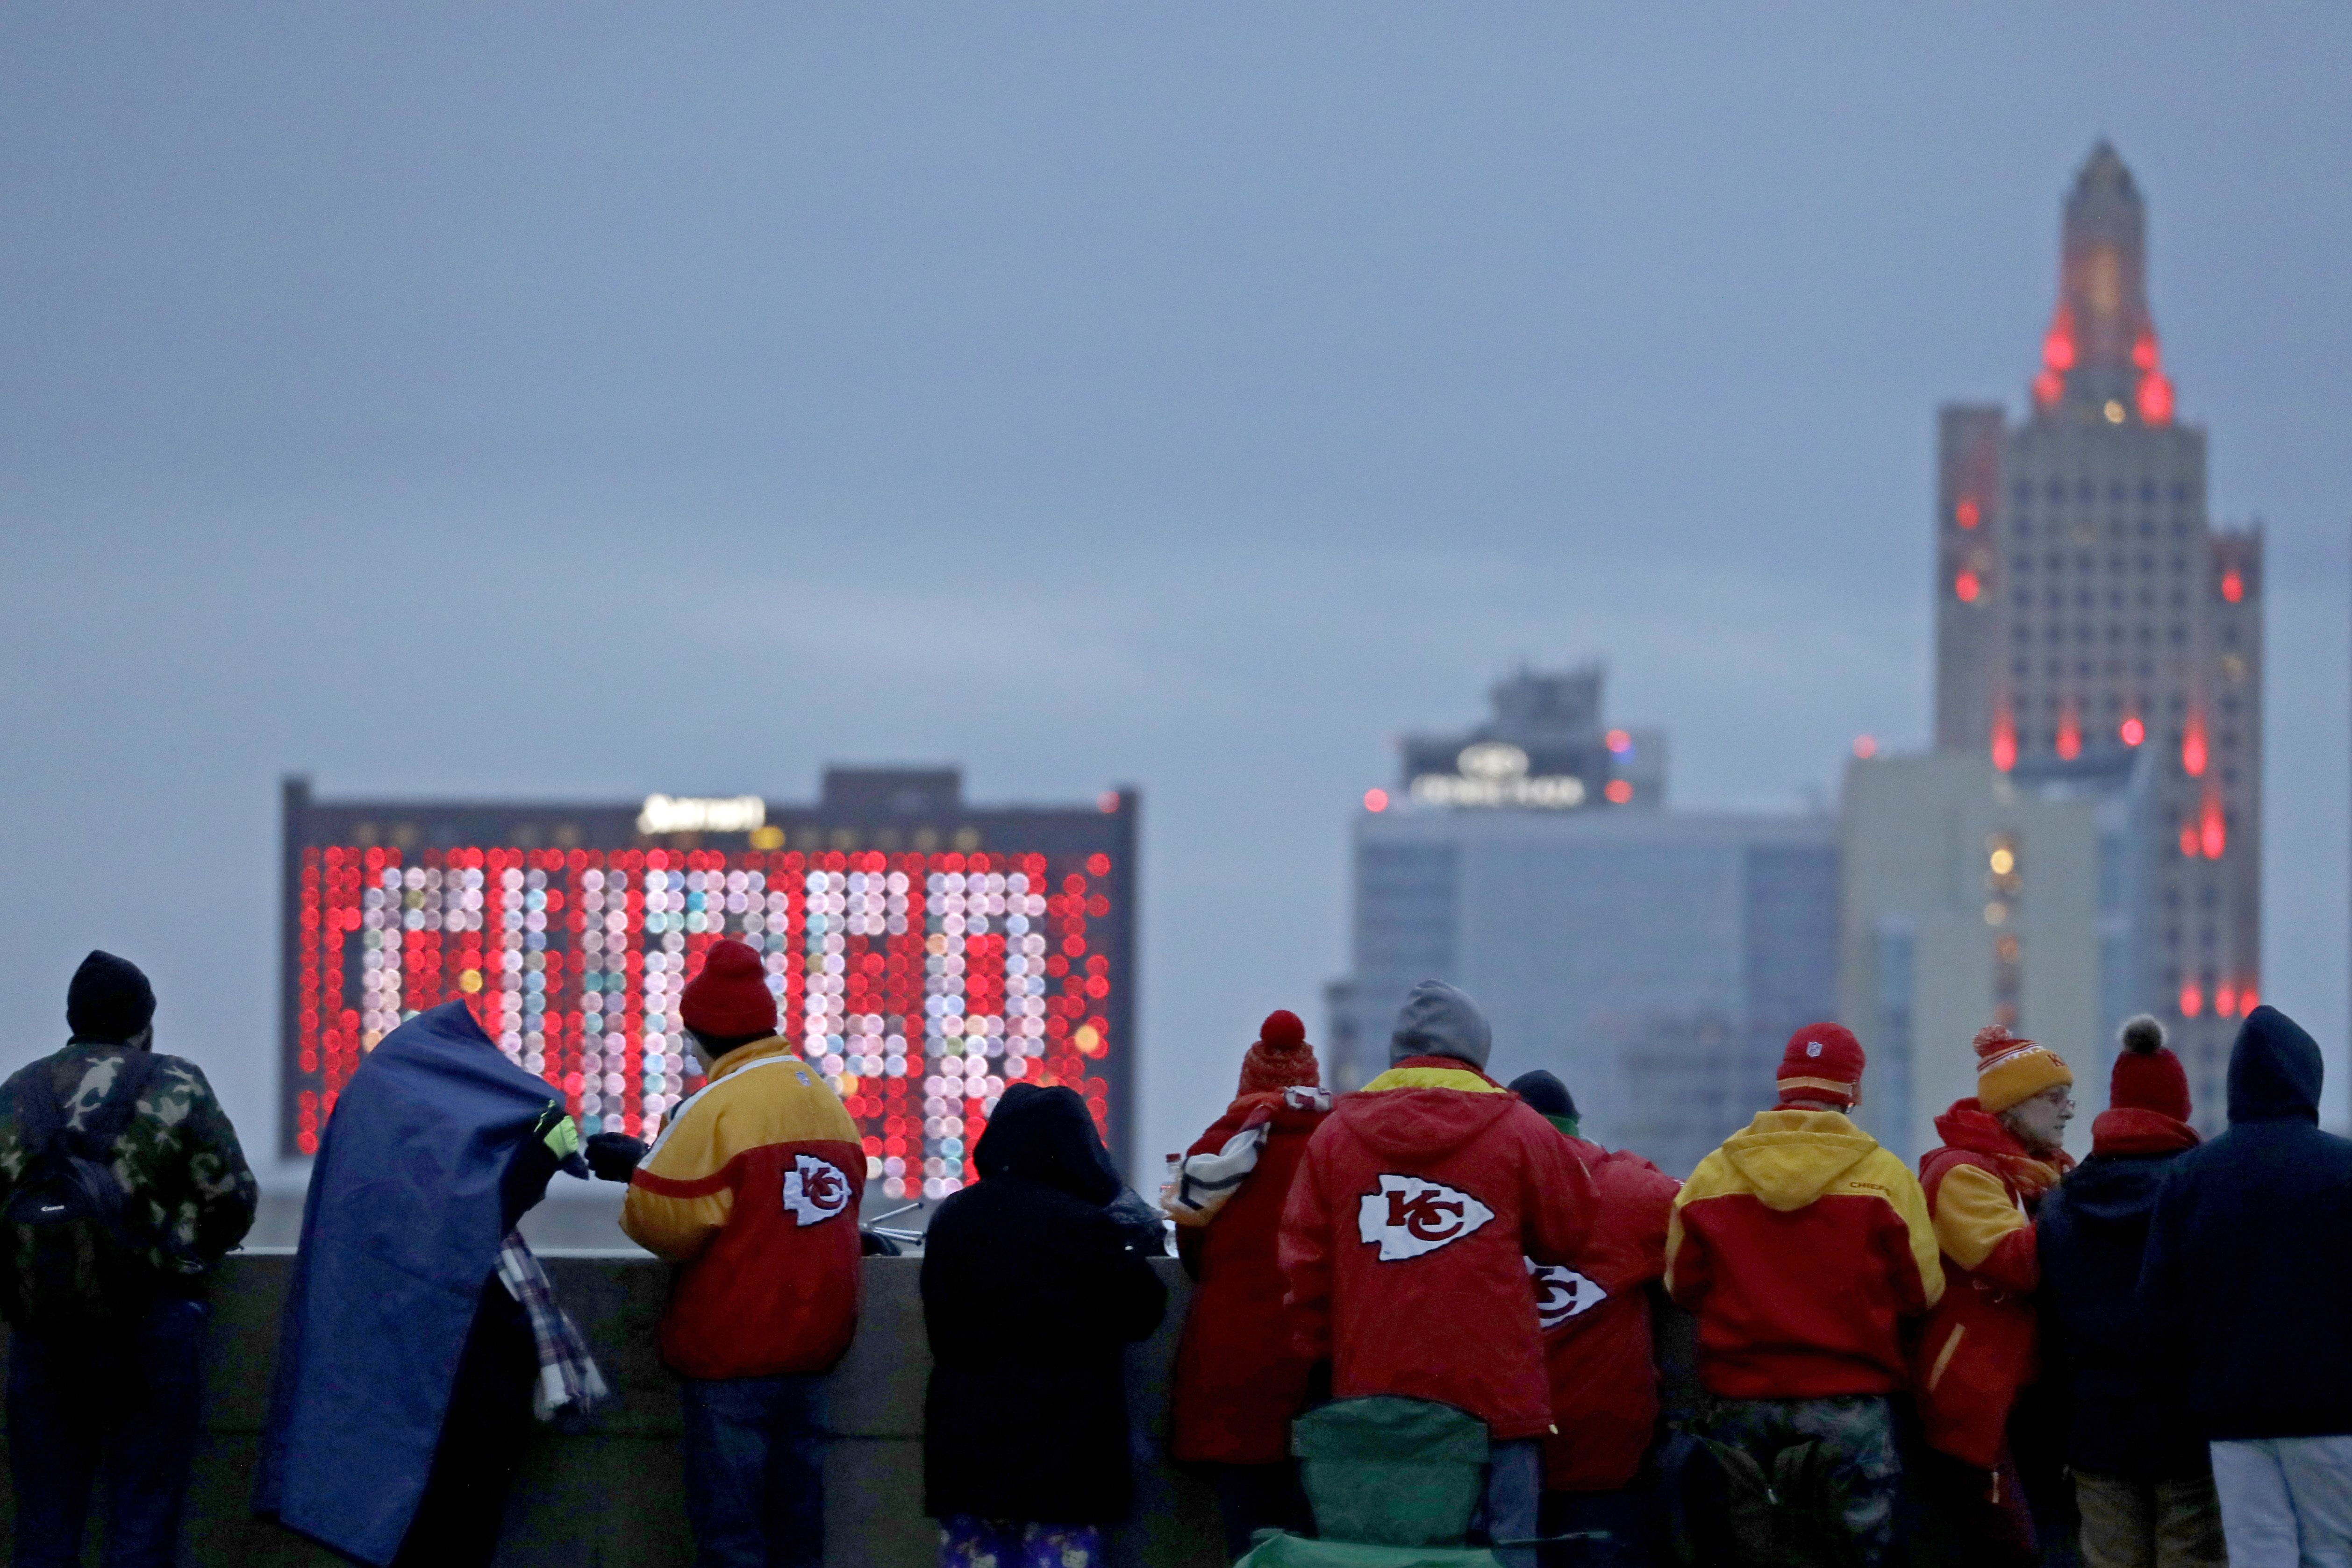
2011	1071
2147	1076
1281	1058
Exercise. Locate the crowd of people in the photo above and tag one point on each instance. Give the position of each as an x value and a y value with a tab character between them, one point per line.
1802	1352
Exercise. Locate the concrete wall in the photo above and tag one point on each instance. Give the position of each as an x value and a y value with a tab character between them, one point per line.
608	1488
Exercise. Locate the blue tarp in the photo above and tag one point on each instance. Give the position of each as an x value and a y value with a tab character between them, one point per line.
401	1228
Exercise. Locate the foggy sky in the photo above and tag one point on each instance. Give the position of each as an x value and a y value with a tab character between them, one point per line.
577	401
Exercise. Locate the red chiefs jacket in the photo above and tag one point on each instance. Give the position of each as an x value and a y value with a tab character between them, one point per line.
1595	1317
1239	1382
753	1187
1802	1245
1405	1243
1978	1349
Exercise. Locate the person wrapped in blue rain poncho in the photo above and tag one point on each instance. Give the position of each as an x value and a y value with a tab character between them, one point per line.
418	1333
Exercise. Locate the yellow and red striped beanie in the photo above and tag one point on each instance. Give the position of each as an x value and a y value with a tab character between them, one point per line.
2011	1071
1822	1061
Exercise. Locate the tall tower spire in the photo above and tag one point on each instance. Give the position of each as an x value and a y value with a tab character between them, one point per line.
2100	362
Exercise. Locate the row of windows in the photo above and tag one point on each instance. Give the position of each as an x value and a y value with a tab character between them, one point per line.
2057	561
2022	491
2057	633
2083	599
2117	528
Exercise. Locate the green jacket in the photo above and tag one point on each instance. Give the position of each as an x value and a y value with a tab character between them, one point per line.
178	1159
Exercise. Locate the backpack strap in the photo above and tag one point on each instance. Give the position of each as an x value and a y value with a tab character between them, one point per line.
107	1122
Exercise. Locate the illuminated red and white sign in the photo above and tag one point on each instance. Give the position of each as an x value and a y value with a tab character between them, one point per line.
922	981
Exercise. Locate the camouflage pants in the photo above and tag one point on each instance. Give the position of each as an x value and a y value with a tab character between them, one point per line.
1864	1474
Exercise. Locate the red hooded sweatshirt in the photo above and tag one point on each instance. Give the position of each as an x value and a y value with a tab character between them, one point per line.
1406	1241
1977	1350
1595	1318
1238	1382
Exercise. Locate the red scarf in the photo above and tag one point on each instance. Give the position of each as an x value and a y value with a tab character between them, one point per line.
2131	1131
1968	1126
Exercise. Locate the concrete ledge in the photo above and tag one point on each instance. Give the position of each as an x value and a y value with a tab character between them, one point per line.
608	1488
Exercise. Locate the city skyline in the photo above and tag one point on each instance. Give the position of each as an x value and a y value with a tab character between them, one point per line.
457	406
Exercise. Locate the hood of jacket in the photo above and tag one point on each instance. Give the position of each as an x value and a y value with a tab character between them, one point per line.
1438	1020
1425	1106
2274	1069
1046	1136
1789	1157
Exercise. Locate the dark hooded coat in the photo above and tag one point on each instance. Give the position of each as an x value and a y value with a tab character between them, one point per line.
1031	1291
2129	1420
2246	1290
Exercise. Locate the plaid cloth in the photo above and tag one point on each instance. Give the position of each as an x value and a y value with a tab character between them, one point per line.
567	1374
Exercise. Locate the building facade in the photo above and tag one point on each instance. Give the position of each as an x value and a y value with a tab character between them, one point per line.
924	951
1951	871
1656	960
2087	610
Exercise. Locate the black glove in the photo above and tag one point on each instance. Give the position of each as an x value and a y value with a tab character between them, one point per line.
613	1156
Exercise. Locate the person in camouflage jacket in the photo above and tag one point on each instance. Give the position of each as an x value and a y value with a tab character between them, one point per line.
127	1401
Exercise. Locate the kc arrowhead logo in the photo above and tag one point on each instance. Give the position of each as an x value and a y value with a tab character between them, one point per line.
1407	1215
815	1190
1561	1293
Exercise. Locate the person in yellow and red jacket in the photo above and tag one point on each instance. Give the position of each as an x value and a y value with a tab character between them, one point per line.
1597	1345
1404	1243
2001	1153
1803	1247
753	1189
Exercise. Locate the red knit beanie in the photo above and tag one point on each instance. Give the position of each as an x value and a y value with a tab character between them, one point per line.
729	998
2147	1077
1281	1057
1823	1061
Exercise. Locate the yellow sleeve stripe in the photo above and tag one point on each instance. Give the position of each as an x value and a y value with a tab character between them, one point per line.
1973	1214
1434	1078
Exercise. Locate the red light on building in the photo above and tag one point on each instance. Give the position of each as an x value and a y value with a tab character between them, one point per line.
1619	741
1967	587
2188	841
2070	733
2048	388
2247	1000
2212	826
1966	514
2004	743
1619	791
2192	1000
2192	746
2131	732
2155	399
2058	347
2225	1001
2234	585
1108	802
1865	746
1376	799
2144	350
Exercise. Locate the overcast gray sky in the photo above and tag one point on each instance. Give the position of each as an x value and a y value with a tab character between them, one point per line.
579	401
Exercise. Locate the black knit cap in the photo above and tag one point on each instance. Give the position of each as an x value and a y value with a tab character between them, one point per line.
109	999
1544	1092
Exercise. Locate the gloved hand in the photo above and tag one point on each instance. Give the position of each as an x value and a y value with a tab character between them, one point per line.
613	1156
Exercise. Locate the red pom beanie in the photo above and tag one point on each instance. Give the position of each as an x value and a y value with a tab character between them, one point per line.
729	998
2147	1077
1281	1057
1822	1061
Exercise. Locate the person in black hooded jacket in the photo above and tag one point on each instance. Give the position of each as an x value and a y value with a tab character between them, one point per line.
1032	1289
2142	1480
2246	1294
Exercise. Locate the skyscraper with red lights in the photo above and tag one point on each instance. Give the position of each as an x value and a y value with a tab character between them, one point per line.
2087	613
